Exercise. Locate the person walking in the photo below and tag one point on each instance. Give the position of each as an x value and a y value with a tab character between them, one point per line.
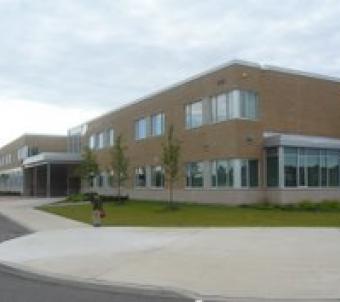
97	210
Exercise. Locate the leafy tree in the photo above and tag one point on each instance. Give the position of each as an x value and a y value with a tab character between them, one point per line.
119	164
170	160
88	167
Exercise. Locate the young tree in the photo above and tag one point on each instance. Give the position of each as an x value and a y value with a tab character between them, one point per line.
170	161
119	164
88	168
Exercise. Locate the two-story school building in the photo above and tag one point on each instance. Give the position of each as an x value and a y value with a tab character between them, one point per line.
248	133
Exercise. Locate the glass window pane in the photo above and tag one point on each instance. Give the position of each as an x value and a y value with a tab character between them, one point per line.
323	167
221	107
313	167
157	176
213	174
196	114
195	174
244	173
333	168
140	177
272	167
302	167
157	124
222	170
253	173
290	166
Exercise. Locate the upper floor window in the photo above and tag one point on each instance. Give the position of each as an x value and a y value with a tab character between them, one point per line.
92	142
194	115
100	140
157	124
221	107
110	137
141	128
194	171
248	104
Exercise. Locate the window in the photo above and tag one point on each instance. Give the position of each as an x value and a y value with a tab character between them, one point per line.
92	142
140	177
195	174
249	173
290	166
248	104
110	134
313	167
100	181
272	163
194	115
222	173
101	140
157	124
221	107
157	177
141	129
333	168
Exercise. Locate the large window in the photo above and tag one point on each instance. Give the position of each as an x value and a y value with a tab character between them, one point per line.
157	177
141	128
248	104
333	168
249	173
109	137
157	124
194	171
222	173
291	164
194	115
221	107
92	142
272	164
140	177
305	167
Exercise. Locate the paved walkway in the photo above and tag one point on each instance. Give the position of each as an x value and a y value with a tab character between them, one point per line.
229	262
22	211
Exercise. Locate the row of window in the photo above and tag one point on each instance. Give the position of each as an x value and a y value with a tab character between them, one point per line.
222	107
26	151
153	125
303	167
5	159
222	173
102	140
11	181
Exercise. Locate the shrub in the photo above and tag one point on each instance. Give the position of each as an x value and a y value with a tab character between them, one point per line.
77	197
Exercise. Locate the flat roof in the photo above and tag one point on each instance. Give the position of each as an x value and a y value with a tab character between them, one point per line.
215	69
296	140
52	158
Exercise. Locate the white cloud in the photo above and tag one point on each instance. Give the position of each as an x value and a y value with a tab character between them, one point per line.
102	54
22	116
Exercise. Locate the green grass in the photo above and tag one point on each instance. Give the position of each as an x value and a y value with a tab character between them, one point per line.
147	213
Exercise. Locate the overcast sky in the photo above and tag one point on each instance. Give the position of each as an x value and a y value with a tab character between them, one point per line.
64	62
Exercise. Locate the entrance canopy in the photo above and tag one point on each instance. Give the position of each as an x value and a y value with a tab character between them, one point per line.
52	158
51	174
295	140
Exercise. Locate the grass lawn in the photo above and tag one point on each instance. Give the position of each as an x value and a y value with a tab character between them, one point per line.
146	213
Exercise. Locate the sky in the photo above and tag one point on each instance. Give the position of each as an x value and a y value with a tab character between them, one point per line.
67	61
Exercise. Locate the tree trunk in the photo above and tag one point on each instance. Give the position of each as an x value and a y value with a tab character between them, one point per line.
171	197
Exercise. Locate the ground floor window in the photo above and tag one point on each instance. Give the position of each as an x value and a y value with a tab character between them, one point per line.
249	173
194	174
140	177
304	167
157	176
222	173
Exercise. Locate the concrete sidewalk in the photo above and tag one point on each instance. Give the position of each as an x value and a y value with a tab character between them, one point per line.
21	210
229	262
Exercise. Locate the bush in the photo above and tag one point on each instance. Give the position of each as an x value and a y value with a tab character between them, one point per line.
306	205
77	197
